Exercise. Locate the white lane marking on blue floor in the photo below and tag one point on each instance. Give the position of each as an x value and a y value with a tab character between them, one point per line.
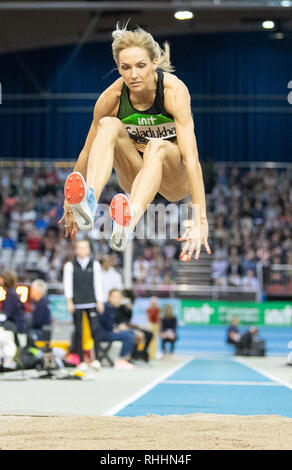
185	398
114	410
219	382
264	373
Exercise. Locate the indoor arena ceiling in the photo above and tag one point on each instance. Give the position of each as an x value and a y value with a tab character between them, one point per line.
29	25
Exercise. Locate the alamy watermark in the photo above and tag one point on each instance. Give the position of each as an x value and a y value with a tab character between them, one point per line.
159	222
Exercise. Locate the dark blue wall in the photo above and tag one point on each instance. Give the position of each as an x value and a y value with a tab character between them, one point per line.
237	63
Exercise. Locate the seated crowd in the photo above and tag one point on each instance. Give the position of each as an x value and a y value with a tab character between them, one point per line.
253	223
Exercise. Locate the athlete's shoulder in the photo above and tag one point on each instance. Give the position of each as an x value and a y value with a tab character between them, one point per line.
172	83
109	98
176	93
114	90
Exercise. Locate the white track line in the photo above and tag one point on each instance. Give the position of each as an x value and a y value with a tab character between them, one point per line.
219	382
263	372
112	411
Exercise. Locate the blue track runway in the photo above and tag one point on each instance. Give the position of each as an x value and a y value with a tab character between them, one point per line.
220	386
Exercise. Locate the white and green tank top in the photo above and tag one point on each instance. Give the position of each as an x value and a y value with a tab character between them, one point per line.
154	123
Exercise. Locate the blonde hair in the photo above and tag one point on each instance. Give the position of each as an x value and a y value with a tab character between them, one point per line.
124	38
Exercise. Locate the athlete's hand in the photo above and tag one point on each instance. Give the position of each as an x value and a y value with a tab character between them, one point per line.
194	237
71	228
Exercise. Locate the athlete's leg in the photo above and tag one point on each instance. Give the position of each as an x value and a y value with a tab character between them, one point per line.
112	147
163	171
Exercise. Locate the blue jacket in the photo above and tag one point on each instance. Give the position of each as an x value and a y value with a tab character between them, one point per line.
231	329
107	318
41	314
14	309
169	324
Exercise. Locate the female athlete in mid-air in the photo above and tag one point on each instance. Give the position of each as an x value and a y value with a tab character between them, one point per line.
143	128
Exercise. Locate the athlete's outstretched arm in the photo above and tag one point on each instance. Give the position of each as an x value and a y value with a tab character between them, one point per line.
71	227
100	110
81	164
177	101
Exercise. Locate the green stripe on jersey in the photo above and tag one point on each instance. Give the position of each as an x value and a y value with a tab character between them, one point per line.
146	119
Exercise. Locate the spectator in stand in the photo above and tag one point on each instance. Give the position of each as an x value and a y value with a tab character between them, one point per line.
287	238
168	329
258	213
219	268
148	253
169	250
33	240
263	253
154	277
29	216
41	313
221	178
140	245
153	315
140	269
249	262
110	277
249	280
168	269
220	231
109	331
9	204
221	250
275	276
12	306
234	271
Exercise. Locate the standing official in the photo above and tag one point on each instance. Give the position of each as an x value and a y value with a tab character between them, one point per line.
84	293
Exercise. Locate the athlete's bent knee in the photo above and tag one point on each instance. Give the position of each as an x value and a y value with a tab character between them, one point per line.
110	128
110	124
156	148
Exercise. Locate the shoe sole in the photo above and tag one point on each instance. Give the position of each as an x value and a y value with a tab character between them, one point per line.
75	195
120	212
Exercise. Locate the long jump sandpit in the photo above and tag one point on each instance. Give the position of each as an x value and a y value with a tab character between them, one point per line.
190	432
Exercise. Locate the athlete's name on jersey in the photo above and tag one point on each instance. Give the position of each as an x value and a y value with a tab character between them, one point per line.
143	134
